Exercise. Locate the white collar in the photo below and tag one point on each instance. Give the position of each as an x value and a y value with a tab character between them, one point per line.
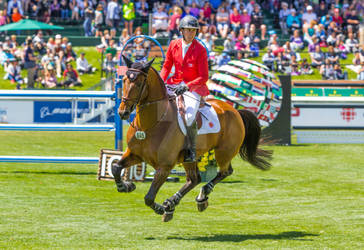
184	44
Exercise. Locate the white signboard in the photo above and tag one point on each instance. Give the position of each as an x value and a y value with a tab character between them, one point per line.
13	111
328	117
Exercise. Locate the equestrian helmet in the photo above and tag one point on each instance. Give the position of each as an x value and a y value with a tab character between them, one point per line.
189	22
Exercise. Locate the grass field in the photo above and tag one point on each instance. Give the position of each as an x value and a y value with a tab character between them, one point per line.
313	198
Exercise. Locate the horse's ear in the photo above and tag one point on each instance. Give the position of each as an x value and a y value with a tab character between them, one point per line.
127	61
148	64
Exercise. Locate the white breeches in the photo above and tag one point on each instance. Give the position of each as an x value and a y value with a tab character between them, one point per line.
192	103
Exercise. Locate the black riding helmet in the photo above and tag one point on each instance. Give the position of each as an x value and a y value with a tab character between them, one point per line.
189	22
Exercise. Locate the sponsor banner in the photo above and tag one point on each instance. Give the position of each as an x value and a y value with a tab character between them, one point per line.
57	111
351	117
12	111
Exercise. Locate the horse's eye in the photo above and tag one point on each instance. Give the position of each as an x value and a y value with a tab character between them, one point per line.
131	75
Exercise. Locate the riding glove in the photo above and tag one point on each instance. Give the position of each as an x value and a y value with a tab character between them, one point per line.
181	88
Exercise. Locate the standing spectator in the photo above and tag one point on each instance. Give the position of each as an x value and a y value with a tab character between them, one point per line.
30	63
173	23
99	19
3	19
83	66
309	16
4	6
222	20
16	16
235	20
89	15
128	15
113	16
283	14
142	10
160	20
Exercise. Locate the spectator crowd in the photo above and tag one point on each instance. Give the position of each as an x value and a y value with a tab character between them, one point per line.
328	30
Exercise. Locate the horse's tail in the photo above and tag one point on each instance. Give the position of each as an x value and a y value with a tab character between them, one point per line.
250	150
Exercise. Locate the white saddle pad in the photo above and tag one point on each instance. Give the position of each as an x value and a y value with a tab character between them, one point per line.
210	121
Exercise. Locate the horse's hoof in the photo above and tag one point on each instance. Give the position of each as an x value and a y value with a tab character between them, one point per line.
130	186
167	216
202	205
125	187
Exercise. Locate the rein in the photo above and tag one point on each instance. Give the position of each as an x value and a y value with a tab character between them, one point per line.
141	106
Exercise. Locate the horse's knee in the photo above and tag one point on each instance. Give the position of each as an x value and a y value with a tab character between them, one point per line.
148	201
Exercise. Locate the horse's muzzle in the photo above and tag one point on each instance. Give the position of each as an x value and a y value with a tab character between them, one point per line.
124	115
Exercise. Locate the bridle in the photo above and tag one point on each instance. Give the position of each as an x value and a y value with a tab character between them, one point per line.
137	100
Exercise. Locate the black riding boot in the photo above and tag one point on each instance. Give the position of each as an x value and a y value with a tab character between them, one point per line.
190	155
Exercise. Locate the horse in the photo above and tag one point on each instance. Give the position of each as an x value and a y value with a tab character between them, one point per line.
155	138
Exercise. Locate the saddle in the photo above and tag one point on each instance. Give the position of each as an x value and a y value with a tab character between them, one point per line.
182	110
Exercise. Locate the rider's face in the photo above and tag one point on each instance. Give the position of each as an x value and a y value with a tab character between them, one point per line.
188	34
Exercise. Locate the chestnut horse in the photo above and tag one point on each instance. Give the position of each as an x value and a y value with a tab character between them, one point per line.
155	138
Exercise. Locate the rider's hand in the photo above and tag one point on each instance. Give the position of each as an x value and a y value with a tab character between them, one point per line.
181	88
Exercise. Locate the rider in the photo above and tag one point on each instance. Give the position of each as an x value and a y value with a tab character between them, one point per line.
189	58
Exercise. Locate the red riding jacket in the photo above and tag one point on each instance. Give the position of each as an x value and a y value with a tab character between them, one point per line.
192	69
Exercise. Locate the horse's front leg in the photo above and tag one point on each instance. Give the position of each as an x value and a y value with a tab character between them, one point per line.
128	159
193	178
159	178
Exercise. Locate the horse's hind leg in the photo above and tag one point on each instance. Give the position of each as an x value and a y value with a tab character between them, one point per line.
126	161
193	178
202	198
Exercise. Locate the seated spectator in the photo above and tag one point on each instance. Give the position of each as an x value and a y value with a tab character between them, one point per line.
309	15
339	74
296	41
306	67
209	42
38	38
361	72
320	32
269	59
140	53
293	21
160	21
13	41
283	63
331	40
194	10
351	43
229	44
222	20
257	20
207	12
294	66
308	31
223	59
254	41
245	20
13	72
70	77
173	24
337	18
321	10
283	14
326	20
317	57
69	53
327	71
341	49
109	64
51	44
50	79
332	56
353	19
124	37
64	10
83	66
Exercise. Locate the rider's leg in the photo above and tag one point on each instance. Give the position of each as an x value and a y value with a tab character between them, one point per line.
192	103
